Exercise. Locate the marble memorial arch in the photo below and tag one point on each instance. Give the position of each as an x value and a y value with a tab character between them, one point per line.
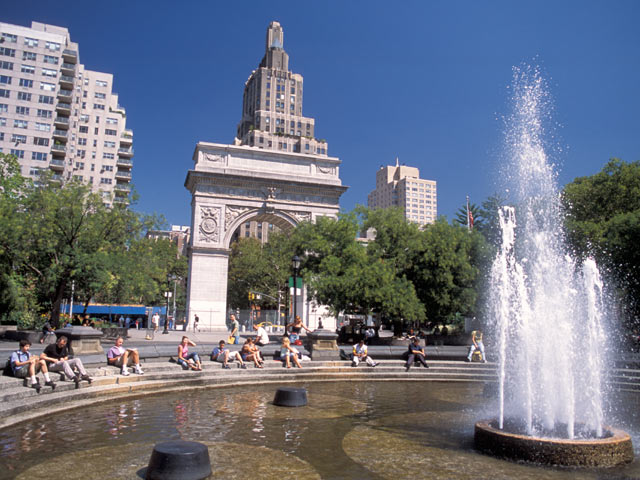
231	185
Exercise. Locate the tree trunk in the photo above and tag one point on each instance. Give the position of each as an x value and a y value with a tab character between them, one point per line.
57	301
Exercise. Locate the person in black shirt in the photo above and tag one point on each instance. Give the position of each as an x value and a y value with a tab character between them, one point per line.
57	357
416	354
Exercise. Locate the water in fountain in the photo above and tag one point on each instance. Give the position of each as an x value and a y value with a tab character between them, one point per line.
547	307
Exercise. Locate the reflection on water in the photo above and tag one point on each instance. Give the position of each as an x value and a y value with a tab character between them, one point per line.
376	430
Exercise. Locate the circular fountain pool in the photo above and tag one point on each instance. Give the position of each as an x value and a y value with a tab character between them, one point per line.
374	430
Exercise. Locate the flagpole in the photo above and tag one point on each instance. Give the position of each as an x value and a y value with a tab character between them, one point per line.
468	222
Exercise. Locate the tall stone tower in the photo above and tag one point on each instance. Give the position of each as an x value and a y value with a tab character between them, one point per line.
272	104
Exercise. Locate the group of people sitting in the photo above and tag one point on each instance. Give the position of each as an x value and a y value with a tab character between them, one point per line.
54	358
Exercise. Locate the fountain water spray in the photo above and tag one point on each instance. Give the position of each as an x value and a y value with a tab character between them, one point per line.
547	308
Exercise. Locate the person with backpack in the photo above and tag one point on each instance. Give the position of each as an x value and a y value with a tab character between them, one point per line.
25	365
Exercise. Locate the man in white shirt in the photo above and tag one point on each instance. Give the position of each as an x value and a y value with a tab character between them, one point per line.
155	321
262	337
360	353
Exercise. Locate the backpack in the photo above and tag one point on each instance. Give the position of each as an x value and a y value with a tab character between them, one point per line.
7	371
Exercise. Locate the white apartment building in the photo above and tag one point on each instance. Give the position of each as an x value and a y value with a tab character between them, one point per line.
57	115
401	186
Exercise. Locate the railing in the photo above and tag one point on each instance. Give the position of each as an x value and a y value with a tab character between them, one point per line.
70	53
55	161
65	93
128	151
64	120
68	66
123	187
124	161
60	133
66	78
66	106
58	148
123	173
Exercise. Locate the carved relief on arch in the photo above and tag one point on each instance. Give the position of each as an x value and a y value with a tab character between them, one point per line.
299	216
327	170
209	227
231	213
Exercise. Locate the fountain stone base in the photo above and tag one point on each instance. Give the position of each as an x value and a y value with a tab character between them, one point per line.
614	449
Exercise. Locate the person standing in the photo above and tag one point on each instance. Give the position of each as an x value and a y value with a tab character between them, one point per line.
416	354
360	353
57	357
235	329
296	327
196	319
24	365
476	338
155	321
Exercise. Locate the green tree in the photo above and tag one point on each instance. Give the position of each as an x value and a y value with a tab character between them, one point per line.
447	270
603	221
342	274
476	212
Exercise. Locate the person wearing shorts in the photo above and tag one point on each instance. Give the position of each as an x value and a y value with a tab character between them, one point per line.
223	355
119	356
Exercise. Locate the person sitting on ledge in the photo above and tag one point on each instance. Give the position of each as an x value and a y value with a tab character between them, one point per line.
476	338
222	355
47	329
296	327
57	357
262	337
186	359
251	353
24	365
287	352
119	356
416	354
360	353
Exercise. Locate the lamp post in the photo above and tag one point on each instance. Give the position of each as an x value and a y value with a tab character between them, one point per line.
166	317
296	269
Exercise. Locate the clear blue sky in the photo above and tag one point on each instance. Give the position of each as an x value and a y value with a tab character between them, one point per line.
422	80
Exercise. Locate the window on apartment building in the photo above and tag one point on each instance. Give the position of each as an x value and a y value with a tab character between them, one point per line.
84	129
4	79
7	52
47	87
29	56
43	127
96	131
45	99
4	93
101	83
30	42
52	46
97	106
109	144
10	37
84	118
17	153
4	108
20	110
24	96
39	156
6	65
43	142
48	72
82	141
15	138
26	83
97	119
106	181
100	95
112	121
81	153
50	59
109	156
80	165
44	113
95	142
3	122
20	124
108	168
110	132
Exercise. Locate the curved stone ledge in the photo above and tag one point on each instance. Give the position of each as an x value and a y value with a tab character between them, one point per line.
613	450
